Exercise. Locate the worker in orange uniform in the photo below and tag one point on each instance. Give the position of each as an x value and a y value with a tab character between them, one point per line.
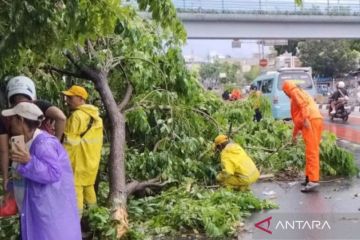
307	119
235	94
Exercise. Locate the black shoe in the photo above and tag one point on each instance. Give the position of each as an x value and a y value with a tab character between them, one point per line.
306	182
310	187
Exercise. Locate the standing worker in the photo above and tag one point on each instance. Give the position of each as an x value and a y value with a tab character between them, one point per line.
83	142
238	170
255	96
307	119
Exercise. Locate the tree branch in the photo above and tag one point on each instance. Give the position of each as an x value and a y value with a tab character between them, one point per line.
88	73
158	143
206	116
128	93
64	72
71	58
3	41
80	49
135	186
126	98
90	48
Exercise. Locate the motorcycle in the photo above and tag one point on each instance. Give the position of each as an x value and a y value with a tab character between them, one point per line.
342	110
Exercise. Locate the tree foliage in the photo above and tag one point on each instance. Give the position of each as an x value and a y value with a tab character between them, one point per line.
213	212
291	47
355	45
253	73
56	25
219	72
99	43
328	57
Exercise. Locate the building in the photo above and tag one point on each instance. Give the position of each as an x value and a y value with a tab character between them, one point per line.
286	60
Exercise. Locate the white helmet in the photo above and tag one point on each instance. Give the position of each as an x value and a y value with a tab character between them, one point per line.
341	84
21	85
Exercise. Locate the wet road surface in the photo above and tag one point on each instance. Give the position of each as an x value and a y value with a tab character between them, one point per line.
338	197
349	130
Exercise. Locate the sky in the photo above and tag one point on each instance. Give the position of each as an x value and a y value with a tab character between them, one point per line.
202	48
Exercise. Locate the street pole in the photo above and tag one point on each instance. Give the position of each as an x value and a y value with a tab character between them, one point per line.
328	6
222	5
260	5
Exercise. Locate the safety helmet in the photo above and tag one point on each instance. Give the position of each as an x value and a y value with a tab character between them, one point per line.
221	139
21	85
341	84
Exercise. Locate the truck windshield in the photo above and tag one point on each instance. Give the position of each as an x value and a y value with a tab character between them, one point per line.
302	79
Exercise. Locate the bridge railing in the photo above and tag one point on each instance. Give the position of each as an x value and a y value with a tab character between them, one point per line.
320	7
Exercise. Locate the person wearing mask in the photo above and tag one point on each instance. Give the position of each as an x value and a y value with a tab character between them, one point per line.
308	120
238	169
339	97
83	142
49	206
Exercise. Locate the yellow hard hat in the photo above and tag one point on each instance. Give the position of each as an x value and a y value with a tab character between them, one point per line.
76	91
221	139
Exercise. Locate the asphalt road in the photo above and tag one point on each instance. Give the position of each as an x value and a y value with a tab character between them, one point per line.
337	201
349	130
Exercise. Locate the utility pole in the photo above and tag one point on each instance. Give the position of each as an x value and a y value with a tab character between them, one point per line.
260	5
328	6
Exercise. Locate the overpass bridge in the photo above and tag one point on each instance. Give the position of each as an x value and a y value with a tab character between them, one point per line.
252	26
270	19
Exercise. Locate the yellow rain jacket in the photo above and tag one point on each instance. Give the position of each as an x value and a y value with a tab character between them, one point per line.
85	151
238	170
256	97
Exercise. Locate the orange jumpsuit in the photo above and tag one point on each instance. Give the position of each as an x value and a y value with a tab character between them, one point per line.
235	94
303	108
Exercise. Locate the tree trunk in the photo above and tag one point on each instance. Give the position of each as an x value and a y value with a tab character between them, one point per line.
118	188
118	194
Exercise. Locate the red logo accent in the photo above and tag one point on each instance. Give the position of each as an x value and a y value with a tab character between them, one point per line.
258	225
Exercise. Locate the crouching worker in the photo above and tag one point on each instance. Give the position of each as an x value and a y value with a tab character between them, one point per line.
238	170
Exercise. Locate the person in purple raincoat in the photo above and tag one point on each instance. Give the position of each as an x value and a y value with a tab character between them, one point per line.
49	210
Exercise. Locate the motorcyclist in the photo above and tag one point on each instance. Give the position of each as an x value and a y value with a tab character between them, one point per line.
338	98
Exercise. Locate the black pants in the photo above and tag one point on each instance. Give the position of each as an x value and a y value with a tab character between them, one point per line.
258	115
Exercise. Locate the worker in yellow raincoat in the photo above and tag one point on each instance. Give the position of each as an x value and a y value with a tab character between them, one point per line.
83	142
238	170
255	96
